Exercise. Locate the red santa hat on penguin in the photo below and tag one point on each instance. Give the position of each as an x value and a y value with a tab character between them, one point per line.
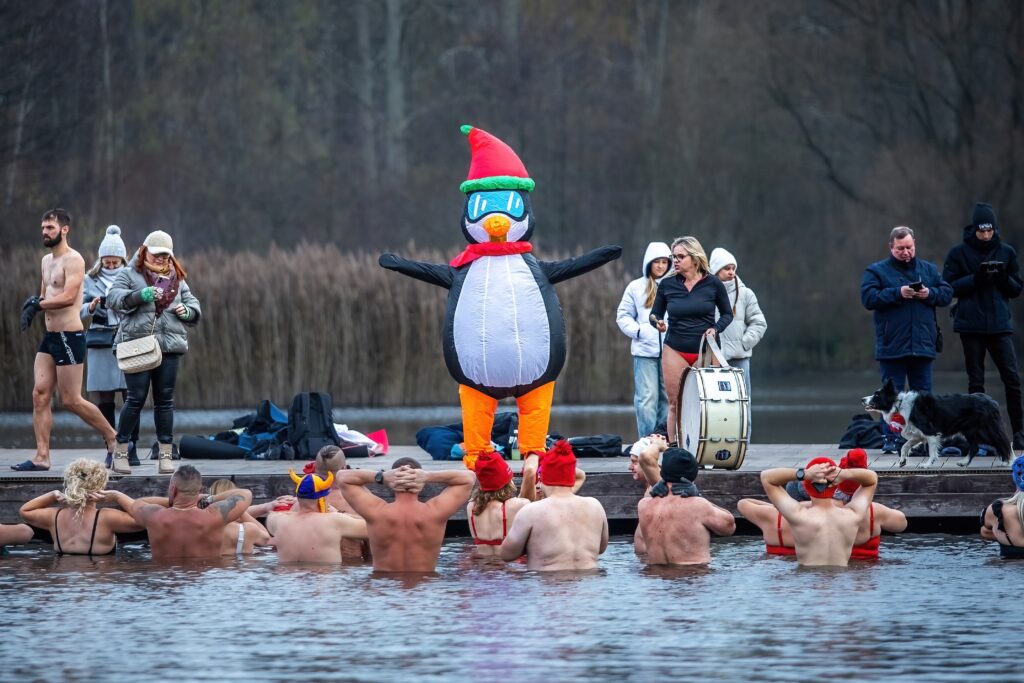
494	166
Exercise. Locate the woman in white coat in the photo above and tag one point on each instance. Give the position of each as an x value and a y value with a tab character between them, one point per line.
649	398
748	324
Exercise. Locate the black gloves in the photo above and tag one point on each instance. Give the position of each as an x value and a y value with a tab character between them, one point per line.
29	310
660	490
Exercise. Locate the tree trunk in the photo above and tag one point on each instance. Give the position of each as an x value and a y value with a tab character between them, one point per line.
364	93
394	83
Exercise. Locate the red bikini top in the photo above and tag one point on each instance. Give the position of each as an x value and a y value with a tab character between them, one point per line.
491	541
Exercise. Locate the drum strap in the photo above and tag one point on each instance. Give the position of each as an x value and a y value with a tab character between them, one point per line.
716	351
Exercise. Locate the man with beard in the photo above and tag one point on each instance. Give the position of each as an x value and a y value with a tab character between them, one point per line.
58	363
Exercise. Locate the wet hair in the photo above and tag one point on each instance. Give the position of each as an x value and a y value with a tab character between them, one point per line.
62	217
332	453
81	478
898	233
221	485
411	462
481	498
187	480
696	252
141	260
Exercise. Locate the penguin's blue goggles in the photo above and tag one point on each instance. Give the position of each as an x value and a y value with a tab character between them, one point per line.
508	202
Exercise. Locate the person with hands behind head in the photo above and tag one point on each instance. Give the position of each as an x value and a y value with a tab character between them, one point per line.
689	298
985	276
179	527
675	521
152	297
83	528
406	534
58	363
823	533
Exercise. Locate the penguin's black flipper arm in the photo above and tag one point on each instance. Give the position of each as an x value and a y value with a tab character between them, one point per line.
560	271
440	274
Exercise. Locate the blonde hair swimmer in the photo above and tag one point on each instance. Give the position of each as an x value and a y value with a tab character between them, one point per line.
87	530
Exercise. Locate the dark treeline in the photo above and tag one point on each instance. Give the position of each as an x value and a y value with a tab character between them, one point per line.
795	133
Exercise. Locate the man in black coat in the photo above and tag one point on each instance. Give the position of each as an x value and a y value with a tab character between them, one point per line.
985	276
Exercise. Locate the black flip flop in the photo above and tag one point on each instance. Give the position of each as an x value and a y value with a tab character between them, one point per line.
29	466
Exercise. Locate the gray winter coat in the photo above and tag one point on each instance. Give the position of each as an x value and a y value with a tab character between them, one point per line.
137	316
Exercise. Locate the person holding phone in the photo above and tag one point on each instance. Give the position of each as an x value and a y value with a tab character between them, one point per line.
984	274
902	292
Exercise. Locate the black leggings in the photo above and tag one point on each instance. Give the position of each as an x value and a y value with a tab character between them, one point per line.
162	379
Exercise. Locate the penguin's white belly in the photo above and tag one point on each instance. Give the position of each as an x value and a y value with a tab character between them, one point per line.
501	331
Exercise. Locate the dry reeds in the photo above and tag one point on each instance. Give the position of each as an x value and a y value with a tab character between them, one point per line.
314	318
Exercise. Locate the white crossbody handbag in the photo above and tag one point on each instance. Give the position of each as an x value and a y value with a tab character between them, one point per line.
140	355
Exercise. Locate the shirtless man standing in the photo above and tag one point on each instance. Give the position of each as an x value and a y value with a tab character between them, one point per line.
676	523
562	531
183	529
406	535
58	363
823	533
310	533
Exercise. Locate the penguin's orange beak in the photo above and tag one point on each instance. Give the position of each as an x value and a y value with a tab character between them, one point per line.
497	227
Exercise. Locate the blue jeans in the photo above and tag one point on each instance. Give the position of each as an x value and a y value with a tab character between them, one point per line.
915	370
649	398
744	365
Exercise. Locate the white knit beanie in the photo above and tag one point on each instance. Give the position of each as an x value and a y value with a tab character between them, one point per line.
112	244
720	258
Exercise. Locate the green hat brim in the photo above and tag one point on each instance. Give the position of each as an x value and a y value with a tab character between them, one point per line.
497	182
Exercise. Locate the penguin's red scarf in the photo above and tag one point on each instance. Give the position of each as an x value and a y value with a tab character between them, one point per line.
475	251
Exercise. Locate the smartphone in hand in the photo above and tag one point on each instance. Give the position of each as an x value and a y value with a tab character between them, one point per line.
916	286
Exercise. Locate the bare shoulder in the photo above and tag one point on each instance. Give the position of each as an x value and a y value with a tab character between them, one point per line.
592	504
73	258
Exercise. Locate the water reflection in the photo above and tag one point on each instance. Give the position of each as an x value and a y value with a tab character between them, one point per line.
746	616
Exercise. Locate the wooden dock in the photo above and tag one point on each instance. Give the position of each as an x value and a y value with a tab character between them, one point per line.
944	497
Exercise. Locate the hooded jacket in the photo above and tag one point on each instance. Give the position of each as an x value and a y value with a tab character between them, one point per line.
633	317
137	316
983	301
903	327
748	324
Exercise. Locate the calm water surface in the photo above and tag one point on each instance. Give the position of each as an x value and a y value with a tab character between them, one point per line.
924	613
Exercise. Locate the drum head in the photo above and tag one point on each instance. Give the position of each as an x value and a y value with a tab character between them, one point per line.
691	412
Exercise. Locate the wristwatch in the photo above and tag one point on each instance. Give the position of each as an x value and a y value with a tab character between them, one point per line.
379	477
800	474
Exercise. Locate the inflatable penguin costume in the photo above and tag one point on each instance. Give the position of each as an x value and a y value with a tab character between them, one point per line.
504	334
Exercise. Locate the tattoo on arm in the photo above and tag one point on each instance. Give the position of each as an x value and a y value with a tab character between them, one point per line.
224	507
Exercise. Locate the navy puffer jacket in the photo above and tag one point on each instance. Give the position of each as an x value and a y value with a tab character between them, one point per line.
983	300
903	327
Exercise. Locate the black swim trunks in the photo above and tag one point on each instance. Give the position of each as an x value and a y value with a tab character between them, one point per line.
67	348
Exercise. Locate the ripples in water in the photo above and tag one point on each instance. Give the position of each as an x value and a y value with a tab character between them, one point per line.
924	613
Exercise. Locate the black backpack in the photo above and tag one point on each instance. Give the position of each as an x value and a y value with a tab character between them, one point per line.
311	424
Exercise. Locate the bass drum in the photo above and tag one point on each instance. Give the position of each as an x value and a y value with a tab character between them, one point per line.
714	417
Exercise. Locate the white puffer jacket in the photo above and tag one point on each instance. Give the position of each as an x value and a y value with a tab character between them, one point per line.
748	324
632	317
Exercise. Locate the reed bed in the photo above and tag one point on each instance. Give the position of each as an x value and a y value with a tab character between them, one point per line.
314	318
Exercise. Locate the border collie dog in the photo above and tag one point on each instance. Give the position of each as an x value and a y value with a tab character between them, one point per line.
929	418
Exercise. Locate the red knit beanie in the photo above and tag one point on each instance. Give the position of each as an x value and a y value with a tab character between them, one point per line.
492	471
558	466
811	489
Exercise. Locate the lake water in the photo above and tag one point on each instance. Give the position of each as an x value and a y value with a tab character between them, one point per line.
928	611
796	408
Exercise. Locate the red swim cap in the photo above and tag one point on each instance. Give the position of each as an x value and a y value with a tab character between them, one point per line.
812	490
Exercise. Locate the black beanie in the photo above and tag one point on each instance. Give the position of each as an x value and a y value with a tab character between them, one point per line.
984	214
678	464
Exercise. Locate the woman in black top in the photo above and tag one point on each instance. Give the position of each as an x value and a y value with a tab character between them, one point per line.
689	297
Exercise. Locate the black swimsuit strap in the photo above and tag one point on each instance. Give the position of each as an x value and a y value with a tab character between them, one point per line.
95	523
997	510
56	533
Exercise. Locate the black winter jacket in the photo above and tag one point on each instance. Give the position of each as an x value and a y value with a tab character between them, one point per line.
983	299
